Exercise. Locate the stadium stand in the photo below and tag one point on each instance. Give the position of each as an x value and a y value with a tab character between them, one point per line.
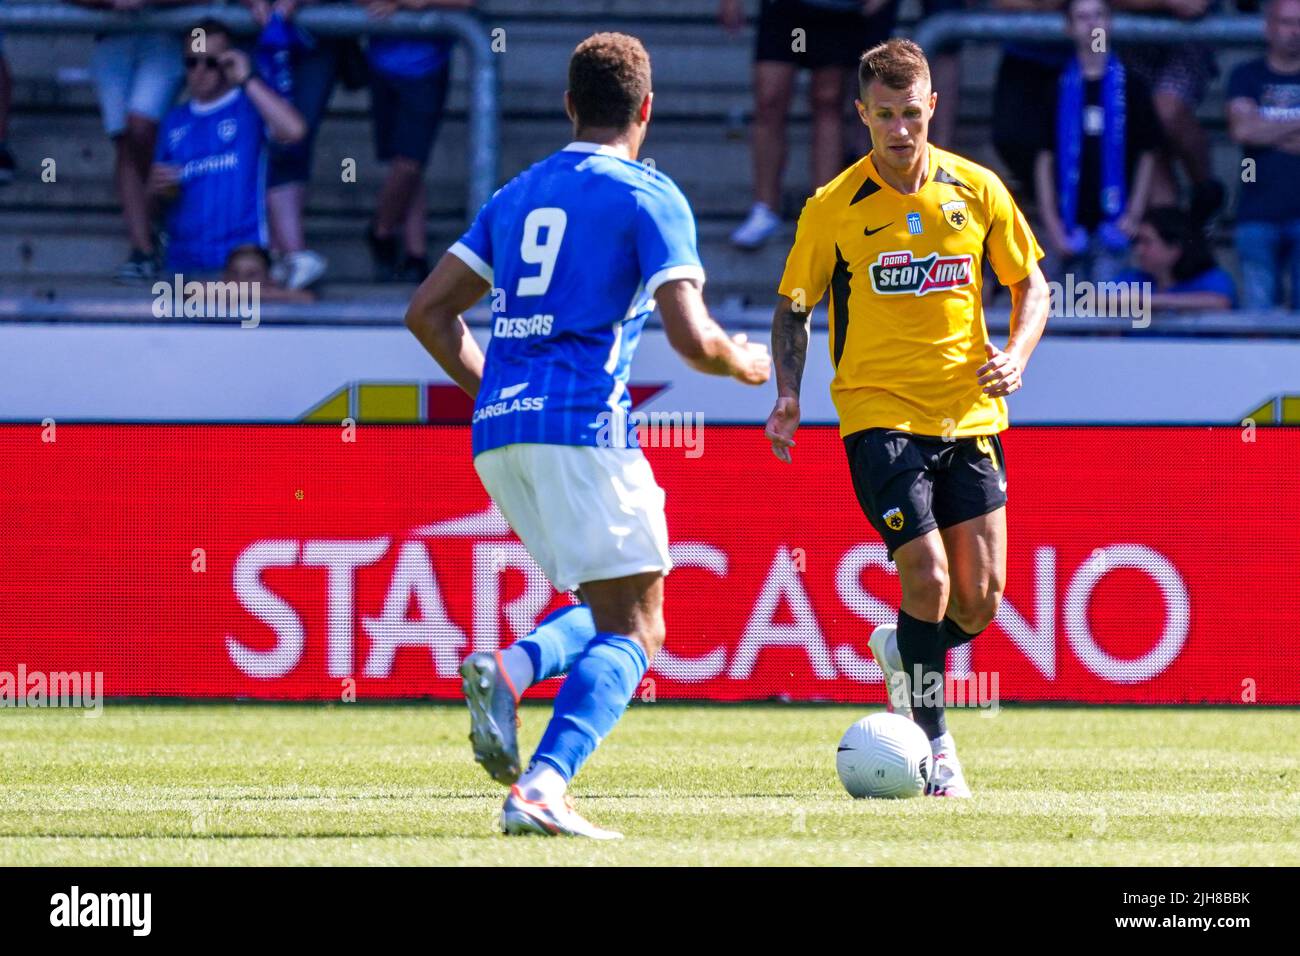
69	240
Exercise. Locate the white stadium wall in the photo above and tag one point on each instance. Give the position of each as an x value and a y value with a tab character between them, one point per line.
84	371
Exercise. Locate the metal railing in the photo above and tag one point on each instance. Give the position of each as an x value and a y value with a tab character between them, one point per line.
940	33
483	112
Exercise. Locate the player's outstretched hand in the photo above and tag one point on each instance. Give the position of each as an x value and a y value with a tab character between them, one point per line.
1000	375
781	425
755	364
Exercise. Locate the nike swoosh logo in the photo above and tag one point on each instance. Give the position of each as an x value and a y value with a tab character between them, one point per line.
872	232
840	750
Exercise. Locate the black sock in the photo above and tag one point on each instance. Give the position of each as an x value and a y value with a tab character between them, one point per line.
921	645
954	636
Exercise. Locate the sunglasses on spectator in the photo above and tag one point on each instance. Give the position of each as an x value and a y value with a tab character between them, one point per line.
211	62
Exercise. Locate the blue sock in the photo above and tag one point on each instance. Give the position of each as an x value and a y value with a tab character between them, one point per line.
558	641
591	701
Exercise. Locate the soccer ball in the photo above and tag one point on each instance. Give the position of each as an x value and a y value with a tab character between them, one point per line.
884	755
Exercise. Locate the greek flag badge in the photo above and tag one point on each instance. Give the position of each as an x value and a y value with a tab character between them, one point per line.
914	223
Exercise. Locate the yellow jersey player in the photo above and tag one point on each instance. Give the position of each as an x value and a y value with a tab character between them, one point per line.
900	239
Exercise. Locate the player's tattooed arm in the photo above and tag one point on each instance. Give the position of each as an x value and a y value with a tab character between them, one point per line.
791	326
434	317
790	330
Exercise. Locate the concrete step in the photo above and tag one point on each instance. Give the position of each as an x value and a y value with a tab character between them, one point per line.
710	163
699	138
60	248
711	167
685	41
33	255
697	76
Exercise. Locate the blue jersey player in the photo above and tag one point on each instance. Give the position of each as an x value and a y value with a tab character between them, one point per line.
578	251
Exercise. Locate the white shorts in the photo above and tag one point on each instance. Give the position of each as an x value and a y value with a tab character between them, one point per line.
583	513
136	73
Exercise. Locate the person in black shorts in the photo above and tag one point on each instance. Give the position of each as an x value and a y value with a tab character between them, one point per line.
909	485
409	78
899	240
1024	94
1179	77
826	37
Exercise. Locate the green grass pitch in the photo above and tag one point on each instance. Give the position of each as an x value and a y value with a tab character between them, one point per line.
395	784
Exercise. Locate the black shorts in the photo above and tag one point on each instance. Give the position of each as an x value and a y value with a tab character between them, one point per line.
831	37
314	72
909	485
406	113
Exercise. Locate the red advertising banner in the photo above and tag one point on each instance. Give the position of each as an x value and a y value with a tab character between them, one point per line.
1147	565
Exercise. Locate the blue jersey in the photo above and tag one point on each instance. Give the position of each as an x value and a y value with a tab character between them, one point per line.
575	248
220	149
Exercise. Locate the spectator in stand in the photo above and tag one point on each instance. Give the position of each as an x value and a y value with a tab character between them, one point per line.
136	76
302	68
1264	117
1025	91
1093	171
1172	254
945	76
211	151
836	33
251	263
408	88
6	96
1178	76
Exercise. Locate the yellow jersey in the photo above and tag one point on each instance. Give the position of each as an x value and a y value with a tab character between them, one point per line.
905	274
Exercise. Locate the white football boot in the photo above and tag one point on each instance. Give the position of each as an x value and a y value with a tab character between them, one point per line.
946	778
548	817
493	715
884	648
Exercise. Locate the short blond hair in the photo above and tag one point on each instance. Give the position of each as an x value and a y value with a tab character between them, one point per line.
897	63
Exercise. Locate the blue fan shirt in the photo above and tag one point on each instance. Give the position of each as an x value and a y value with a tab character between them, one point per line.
220	148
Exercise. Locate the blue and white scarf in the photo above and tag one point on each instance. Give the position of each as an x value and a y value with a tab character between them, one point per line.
1069	143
